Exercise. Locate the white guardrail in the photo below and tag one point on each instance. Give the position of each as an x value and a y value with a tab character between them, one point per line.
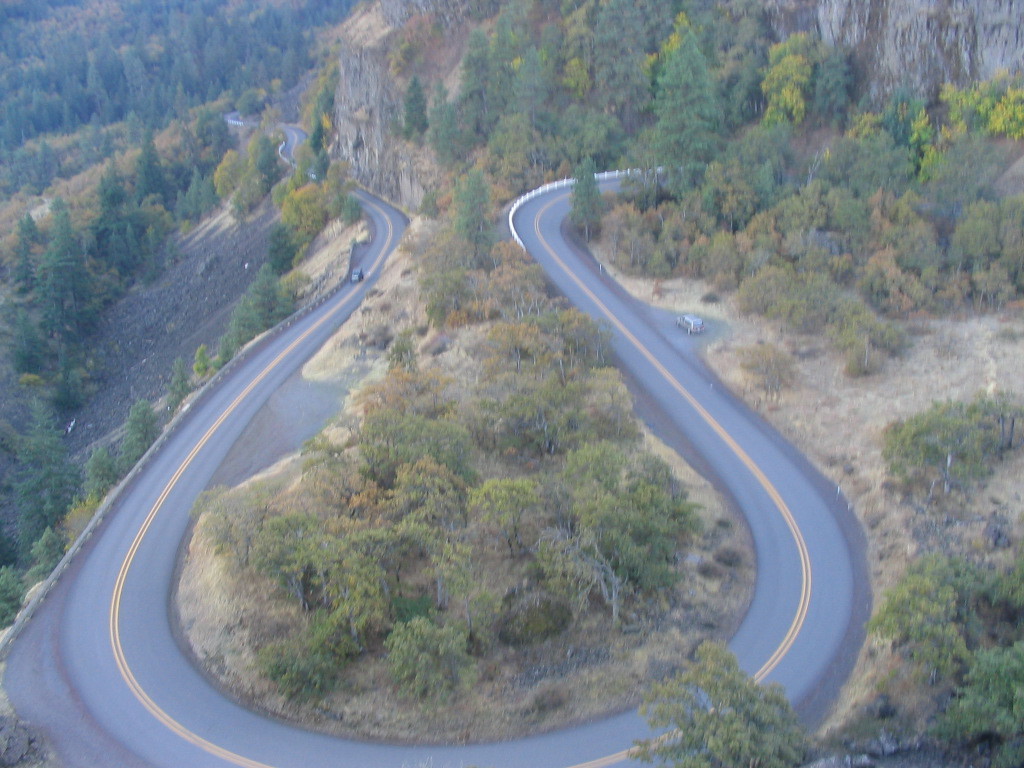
560	184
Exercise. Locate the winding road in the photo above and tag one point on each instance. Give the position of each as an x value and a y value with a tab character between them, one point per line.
99	668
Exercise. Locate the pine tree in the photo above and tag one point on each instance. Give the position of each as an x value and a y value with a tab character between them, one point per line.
11	593
472	211
686	134
415	110
180	385
141	429
586	199
443	126
24	266
28	351
619	60
149	173
63	284
474	106
46	554
202	364
281	248
45	479
100	473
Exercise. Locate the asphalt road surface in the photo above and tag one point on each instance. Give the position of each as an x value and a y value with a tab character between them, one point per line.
100	671
811	600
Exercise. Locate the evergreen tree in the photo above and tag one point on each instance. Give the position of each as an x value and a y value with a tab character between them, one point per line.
532	88
44	480
24	266
263	158
202	364
472	212
63	284
686	134
180	385
503	59
586	199
281	249
46	553
11	593
111	192
100	473
140	430
28	351
149	173
619	59
474	106
443	126
415	110
272	302
351	210
832	84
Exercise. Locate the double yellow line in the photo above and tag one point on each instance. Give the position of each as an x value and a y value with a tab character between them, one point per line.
798	539
783	509
115	602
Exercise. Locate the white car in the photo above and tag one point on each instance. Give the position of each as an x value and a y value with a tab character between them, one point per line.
691	323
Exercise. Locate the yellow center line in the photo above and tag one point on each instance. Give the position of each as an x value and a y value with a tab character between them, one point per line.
805	561
190	736
115	604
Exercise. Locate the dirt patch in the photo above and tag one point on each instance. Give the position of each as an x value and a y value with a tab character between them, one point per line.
20	744
368	29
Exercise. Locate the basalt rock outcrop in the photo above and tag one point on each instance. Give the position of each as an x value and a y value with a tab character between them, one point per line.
369	99
917	43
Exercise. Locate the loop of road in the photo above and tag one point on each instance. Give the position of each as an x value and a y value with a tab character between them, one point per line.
99	667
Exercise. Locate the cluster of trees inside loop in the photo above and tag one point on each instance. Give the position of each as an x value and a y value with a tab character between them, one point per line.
464	515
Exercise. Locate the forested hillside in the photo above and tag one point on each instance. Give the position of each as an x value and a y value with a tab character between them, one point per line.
112	131
87	66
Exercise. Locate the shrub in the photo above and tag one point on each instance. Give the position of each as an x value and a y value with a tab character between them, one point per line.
427	660
534	620
729	557
409	608
299	672
11	592
306	667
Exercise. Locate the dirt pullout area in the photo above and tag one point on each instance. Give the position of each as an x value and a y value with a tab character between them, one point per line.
588	671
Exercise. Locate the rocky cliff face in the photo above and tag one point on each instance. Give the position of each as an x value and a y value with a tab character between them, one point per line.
369	101
448	13
920	43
